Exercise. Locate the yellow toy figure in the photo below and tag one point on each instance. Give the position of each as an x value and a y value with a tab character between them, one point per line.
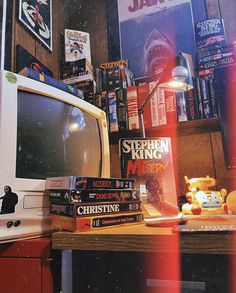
201	200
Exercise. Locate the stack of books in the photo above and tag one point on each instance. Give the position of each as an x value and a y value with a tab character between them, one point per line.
81	204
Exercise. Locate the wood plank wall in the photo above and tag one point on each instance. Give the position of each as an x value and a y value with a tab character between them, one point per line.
26	39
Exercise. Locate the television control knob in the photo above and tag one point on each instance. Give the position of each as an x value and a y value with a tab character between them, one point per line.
17	223
9	224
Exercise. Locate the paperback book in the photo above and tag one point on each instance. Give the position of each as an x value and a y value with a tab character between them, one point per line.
149	161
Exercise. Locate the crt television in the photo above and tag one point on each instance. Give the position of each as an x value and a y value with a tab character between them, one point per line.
44	132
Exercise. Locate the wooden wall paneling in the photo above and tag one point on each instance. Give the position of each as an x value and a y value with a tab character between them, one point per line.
228	13
226	178
213	9
20	36
193	158
52	59
91	17
115	161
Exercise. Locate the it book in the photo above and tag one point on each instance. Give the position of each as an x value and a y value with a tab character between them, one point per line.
149	161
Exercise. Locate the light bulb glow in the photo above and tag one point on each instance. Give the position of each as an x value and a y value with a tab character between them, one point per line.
176	83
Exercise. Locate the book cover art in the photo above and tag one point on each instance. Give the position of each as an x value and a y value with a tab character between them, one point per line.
210	34
149	162
77	45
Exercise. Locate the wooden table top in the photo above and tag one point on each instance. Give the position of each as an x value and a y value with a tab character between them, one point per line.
140	238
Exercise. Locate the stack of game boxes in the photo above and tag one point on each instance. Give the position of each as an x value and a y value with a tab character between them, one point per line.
86	203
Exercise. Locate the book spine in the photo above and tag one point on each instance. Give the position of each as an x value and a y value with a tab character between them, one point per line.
82	77
206	103
113	118
132	108
91	223
161	107
52	82
214	57
191	105
181	107
217	63
142	94
122	113
95	209
154	105
62	209
171	111
212	52
87	195
212	95
199	98
73	71
80	182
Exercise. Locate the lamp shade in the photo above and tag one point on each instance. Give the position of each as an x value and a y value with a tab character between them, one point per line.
176	76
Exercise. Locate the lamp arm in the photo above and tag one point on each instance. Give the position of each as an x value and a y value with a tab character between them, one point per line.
140	111
149	96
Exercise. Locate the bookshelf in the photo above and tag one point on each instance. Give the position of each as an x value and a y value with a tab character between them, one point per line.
178	129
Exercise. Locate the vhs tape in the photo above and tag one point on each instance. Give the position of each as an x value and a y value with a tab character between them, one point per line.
79	182
92	195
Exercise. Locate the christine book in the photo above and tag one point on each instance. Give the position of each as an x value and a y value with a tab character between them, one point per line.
149	161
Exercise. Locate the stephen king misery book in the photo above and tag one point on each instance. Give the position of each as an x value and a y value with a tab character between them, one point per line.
149	161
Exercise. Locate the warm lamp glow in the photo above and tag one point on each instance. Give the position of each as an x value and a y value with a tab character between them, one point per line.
176	84
175	77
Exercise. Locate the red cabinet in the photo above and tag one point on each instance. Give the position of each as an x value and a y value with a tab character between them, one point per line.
25	266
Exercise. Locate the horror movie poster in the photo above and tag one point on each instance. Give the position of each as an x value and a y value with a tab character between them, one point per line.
36	15
153	31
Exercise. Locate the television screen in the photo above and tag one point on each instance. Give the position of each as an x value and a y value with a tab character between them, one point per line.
55	139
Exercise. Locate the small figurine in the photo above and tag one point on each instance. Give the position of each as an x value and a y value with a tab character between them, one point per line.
201	200
154	190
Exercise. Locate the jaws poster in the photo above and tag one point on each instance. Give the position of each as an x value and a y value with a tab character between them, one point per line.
152	31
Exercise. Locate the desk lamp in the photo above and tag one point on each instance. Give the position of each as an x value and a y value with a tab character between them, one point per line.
175	77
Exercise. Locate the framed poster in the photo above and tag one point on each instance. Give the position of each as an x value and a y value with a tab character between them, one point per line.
25	59
37	17
151	32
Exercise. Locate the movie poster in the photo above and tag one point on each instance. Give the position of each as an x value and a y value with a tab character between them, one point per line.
151	32
36	15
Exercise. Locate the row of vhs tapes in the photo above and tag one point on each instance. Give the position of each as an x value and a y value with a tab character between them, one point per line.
82	204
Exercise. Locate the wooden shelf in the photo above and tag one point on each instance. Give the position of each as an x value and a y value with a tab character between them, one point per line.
178	129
